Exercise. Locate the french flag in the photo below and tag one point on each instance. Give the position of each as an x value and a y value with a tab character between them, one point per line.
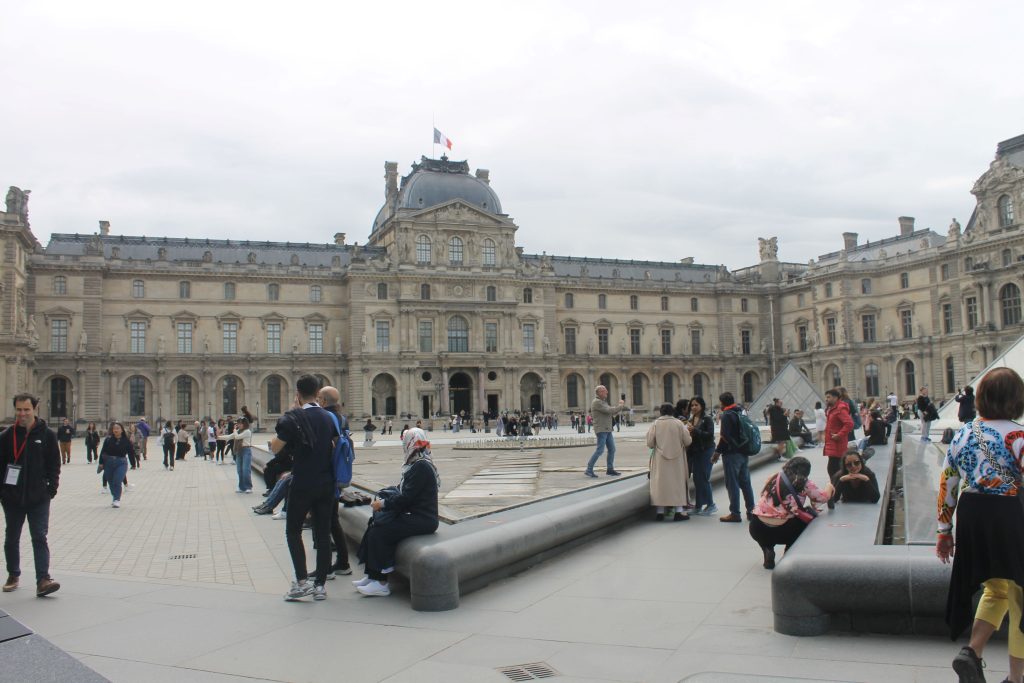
440	139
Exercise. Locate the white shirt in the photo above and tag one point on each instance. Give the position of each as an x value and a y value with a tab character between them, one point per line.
892	400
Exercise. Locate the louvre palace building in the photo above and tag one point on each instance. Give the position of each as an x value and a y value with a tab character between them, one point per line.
442	311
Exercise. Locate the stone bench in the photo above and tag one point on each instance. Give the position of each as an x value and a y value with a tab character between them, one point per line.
469	554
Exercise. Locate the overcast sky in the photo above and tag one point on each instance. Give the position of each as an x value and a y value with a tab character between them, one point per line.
648	130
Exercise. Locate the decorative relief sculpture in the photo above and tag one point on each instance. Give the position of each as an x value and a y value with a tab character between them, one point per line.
768	248
17	203
954	230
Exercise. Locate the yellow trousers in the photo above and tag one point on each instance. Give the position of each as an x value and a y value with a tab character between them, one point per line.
1000	596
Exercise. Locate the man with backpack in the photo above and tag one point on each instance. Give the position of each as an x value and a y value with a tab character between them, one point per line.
734	444
344	455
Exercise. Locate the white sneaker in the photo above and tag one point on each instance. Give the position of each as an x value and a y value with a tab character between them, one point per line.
116	504
374	588
299	590
320	592
283	514
362	582
131	486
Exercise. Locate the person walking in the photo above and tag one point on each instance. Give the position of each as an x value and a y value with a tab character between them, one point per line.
115	454
735	463
30	466
181	442
838	425
65	433
92	442
980	480
699	453
668	438
602	415
819	422
144	430
965	411
167	439
309	433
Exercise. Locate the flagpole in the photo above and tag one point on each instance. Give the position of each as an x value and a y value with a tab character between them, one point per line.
433	147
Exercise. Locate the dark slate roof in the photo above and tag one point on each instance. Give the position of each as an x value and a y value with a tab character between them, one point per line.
1012	150
871	251
187	249
572	266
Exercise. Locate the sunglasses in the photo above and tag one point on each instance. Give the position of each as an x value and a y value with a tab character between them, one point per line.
854	463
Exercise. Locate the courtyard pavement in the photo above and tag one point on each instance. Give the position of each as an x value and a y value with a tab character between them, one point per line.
670	601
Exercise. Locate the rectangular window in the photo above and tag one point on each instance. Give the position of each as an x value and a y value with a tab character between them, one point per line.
828	289
184	337
490	337
907	323
664	303
944	271
745	341
315	294
602	341
426	336
316	338
273	337
570	341
229	291
800	300
868	326
529	333
137	330
184	289
904	280
59	336
695	341
744	306
634	341
666	342
230	331
830	331
383	336
634	302
947	318
801	334
138	289
971	304
572	395
865	286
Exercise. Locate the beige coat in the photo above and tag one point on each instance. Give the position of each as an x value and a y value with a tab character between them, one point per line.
669	438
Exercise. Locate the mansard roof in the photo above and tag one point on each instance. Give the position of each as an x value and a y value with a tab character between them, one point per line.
573	266
901	244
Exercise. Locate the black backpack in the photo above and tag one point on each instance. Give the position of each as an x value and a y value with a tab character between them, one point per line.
947	435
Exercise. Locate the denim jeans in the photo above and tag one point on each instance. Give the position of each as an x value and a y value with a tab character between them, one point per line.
737	480
114	469
38	524
702	477
278	493
243	464
604	439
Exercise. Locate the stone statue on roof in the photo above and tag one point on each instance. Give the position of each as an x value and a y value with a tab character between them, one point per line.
954	229
769	248
17	203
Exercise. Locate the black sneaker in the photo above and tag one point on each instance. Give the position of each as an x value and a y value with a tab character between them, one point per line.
769	557
968	666
613	473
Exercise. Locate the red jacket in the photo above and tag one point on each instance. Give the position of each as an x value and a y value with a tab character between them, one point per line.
837	423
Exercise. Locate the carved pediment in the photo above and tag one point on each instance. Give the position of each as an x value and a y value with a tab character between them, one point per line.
229	317
184	316
456	211
272	317
314	318
136	316
57	312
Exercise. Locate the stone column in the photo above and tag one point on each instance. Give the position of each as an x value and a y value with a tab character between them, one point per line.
445	406
158	397
481	401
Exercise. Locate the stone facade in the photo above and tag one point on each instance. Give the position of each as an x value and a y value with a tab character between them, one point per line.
442	311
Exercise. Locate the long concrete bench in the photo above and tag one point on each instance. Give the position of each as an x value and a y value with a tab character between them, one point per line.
472	553
838	576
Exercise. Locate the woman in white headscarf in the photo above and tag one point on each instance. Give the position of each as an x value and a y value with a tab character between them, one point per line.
410	509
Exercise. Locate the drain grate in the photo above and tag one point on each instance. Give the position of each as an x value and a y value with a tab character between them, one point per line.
187	556
528	672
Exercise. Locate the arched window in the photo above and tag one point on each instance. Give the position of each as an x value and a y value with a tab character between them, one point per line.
425	292
698	385
569	300
572	391
183	398
602	301
229	291
59	397
458	334
455	251
60	285
382	291
492	293
273	292
273	394
638	390
950	375
315	294
748	387
694	306
1005	211
527	295
833	375
488	251
871	379
909	379
423	249
229	395
1009	301
136	395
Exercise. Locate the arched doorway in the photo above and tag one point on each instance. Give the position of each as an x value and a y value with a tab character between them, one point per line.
60	398
608	381
530	392
460	394
383	399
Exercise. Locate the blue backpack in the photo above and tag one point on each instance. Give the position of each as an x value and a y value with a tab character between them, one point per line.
749	442
344	454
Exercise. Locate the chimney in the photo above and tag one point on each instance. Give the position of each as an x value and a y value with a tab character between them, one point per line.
849	241
390	180
339	238
484	175
104	227
906	225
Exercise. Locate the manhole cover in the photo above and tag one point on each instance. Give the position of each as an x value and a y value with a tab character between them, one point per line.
528	672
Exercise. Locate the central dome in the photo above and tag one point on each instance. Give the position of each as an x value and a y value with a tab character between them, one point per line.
424	188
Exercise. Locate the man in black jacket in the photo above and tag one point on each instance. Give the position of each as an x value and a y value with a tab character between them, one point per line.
64	435
30	467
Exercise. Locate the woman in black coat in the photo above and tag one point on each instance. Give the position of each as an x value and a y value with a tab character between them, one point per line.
410	511
92	442
966	411
855	482
117	449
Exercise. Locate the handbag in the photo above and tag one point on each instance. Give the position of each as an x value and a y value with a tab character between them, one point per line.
1001	469
791	448
804	514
